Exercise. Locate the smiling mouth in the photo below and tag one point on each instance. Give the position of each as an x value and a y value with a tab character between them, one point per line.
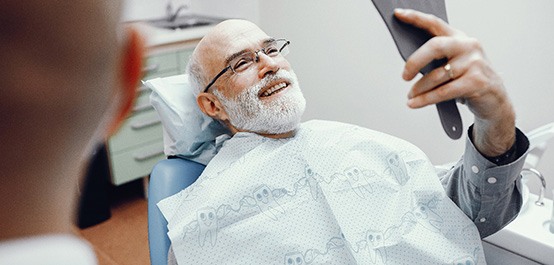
275	89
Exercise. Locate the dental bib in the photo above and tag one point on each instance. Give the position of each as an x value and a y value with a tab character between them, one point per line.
332	194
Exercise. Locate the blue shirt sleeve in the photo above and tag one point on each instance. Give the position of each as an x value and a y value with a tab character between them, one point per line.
488	194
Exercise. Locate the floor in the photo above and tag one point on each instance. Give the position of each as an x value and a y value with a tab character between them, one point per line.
123	238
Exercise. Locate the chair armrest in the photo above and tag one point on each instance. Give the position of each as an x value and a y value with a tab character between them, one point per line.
168	177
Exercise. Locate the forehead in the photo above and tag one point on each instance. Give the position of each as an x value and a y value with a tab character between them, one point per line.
242	38
231	37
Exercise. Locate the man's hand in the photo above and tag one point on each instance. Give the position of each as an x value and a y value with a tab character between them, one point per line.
471	80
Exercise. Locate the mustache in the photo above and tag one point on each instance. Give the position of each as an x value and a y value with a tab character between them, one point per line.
278	75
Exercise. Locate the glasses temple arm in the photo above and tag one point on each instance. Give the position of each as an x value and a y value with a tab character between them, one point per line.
215	78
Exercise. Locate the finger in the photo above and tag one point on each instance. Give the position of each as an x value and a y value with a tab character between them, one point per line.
434	49
427	22
436	78
450	90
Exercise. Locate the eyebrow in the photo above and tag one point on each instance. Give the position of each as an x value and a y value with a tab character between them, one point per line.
237	54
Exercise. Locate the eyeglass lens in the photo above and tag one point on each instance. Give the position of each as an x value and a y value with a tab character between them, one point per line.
271	49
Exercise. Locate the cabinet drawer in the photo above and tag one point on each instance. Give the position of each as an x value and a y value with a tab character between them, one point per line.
140	128
136	163
159	64
142	103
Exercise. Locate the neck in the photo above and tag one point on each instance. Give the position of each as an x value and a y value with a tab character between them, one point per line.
36	208
280	135
235	130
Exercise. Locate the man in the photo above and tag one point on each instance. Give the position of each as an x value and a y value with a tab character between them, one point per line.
68	80
321	192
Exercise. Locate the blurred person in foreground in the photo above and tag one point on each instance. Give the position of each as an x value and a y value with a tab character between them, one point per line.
69	75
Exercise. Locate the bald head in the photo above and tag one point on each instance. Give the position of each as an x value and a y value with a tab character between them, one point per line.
223	35
63	72
59	63
73	37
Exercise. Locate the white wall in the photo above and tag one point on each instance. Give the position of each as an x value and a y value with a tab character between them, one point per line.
246	9
153	9
148	9
350	69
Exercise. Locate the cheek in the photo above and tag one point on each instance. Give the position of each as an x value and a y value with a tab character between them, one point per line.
285	64
233	87
237	84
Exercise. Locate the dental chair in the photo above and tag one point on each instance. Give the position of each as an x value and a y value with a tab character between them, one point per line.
168	177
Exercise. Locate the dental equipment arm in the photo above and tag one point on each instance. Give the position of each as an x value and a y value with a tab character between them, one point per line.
552	216
538	139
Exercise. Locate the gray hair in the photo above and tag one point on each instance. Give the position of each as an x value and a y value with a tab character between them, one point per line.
195	73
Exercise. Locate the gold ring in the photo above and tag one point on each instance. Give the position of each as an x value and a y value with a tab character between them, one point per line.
448	70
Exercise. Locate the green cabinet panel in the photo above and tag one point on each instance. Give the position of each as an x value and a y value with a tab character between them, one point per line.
142	103
183	58
135	163
141	127
138	144
161	63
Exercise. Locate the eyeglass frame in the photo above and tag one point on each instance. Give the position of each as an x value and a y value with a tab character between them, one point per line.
287	42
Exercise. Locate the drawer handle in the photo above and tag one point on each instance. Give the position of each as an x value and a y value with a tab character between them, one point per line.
146	123
150	68
143	107
143	88
148	154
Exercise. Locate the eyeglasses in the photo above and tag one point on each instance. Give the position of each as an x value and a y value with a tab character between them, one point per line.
241	62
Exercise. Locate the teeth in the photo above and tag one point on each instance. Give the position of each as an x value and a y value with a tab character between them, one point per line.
273	89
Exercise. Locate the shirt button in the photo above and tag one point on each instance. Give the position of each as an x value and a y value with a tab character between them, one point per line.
482	220
475	169
491	180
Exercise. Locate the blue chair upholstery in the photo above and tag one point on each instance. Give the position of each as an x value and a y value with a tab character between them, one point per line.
168	177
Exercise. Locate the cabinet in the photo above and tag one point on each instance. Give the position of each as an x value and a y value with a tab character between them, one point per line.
138	144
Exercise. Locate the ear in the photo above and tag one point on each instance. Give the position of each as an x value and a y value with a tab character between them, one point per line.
210	105
130	72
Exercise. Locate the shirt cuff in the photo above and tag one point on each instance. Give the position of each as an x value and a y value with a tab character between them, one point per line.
489	177
497	186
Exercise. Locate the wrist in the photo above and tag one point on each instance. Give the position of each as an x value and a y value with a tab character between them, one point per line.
494	138
516	151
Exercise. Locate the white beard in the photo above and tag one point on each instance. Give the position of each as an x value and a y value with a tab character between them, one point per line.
248	113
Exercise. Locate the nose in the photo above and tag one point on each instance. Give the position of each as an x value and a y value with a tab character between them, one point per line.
266	65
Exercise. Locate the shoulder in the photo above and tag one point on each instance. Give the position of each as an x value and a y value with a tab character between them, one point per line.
47	249
333	127
353	135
